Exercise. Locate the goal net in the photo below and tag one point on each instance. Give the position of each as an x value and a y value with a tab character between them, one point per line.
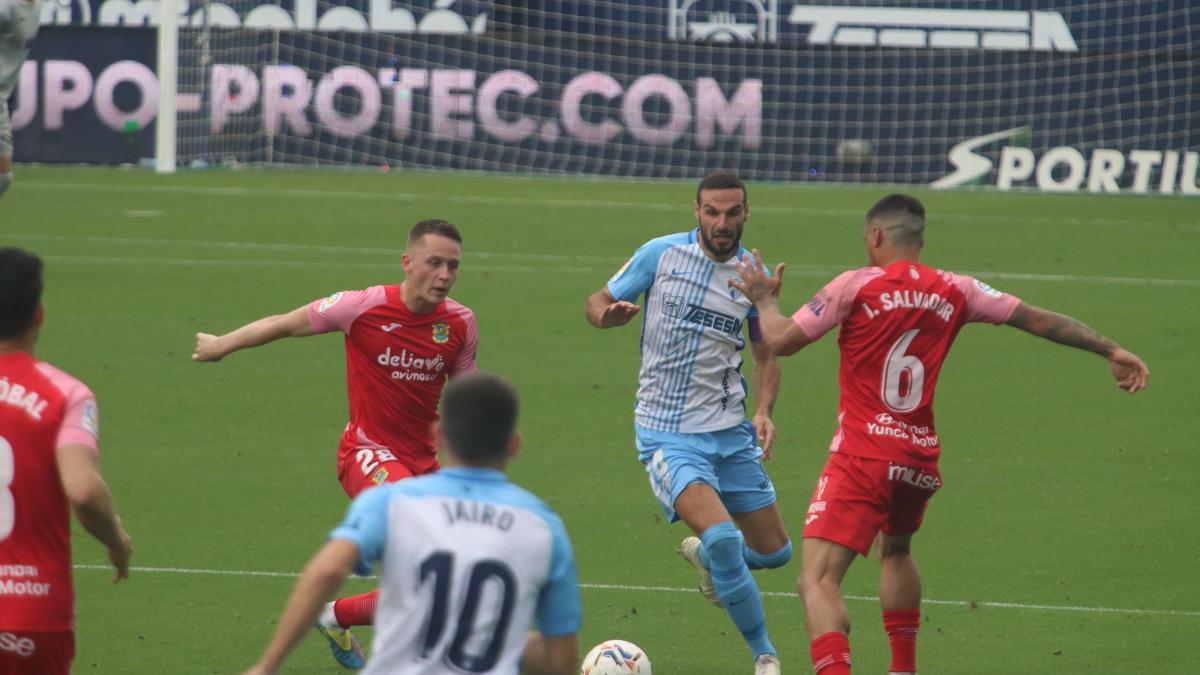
1070	95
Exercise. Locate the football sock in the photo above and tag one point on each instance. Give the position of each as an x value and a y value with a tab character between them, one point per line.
356	610
6	179
831	654
328	618
736	586
902	626
758	561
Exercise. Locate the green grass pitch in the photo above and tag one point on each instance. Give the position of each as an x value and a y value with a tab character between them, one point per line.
1066	538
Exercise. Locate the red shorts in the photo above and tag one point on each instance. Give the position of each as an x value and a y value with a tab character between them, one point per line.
856	497
36	652
364	466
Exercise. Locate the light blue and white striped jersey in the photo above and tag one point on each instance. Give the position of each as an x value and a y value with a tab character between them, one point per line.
691	377
470	563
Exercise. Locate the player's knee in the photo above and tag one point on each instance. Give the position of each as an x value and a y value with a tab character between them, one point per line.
723	545
892	547
6	179
769	561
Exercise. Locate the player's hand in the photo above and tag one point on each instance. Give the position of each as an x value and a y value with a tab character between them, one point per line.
618	314
259	670
120	554
208	348
1130	371
754	283
764	428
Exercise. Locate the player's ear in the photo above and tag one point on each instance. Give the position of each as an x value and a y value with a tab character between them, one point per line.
39	315
513	448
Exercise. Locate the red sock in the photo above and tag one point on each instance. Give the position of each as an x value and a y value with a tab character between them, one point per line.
831	654
356	610
902	626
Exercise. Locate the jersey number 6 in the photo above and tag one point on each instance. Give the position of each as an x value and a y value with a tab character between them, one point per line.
899	367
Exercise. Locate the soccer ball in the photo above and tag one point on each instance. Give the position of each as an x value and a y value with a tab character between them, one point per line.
616	657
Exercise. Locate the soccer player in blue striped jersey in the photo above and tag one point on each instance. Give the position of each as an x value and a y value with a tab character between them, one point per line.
469	560
703	457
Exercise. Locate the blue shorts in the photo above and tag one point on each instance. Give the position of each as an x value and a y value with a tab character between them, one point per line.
728	460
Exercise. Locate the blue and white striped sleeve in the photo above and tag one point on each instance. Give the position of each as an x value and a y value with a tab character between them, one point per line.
559	611
637	274
365	526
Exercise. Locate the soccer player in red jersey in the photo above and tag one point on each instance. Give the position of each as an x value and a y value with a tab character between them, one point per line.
898	319
48	466
402	343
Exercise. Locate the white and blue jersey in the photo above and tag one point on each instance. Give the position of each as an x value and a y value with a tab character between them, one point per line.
470	562
691	377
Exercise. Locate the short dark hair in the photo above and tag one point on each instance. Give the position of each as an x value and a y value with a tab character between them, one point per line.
20	290
722	179
479	415
902	218
434	226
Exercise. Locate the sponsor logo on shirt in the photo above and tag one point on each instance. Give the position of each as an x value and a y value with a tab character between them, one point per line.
391	327
622	270
987	289
711	319
817	305
329	302
441	333
409	366
91	418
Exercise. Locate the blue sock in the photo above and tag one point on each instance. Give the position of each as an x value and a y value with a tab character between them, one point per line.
758	561
735	586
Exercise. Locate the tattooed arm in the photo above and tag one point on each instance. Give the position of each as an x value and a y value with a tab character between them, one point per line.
1129	370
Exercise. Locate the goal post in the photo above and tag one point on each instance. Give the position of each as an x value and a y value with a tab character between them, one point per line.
168	65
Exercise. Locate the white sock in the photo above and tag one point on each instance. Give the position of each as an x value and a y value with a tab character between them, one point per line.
328	618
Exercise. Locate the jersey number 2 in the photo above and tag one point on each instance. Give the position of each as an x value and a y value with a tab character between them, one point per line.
8	505
901	369
441	565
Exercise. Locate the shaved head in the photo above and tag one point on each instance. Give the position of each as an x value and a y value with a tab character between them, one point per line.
901	218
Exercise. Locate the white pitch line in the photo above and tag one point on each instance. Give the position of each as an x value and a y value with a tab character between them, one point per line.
297	264
560	203
795	269
673	589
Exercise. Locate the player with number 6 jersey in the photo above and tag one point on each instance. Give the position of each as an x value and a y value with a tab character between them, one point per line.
898	319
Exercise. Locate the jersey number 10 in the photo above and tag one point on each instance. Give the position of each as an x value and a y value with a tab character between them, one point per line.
440	566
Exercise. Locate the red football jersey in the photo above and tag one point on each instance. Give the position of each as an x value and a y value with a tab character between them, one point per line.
898	323
396	365
41	409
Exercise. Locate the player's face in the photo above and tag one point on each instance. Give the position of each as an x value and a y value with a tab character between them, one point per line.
431	266
721	215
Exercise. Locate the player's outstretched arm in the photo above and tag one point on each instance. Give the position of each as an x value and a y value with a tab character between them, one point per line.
321	578
603	311
1130	371
779	332
557	655
92	502
267	329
